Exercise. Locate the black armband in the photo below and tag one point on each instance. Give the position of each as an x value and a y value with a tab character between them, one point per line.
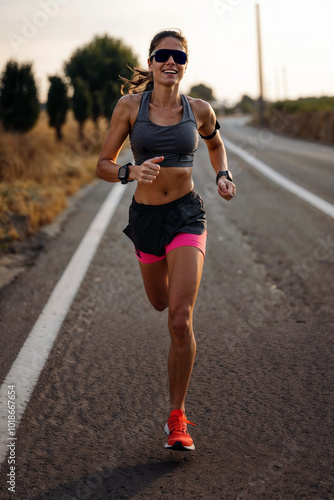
211	136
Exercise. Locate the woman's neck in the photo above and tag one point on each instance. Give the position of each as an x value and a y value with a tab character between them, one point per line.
166	97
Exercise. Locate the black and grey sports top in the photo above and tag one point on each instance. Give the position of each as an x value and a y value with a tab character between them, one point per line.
176	143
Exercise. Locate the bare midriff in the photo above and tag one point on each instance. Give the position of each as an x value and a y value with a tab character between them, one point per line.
170	184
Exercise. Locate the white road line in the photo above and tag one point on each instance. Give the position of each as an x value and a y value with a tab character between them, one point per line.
314	200
32	357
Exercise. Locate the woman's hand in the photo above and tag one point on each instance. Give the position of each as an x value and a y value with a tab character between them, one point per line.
226	188
147	172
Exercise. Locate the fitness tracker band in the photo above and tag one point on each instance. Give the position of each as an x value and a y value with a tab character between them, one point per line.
227	174
211	136
123	173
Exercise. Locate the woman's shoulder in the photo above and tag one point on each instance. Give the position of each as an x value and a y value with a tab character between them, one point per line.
202	109
130	100
199	104
127	107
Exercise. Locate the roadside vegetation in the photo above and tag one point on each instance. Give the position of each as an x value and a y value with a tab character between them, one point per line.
47	152
38	173
306	105
305	118
310	118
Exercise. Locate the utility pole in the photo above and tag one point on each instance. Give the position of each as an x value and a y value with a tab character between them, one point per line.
259	49
285	83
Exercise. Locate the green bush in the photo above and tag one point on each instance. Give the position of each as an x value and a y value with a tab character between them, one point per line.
306	104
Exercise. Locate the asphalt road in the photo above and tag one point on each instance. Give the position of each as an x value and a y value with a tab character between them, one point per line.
261	392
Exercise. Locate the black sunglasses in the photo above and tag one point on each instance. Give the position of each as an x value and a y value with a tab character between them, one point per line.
162	55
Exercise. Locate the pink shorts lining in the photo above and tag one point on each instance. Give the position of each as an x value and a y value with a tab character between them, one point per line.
180	240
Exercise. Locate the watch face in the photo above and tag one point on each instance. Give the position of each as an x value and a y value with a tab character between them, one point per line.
122	173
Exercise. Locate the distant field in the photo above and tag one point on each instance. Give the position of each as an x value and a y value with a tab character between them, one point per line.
307	104
309	118
37	174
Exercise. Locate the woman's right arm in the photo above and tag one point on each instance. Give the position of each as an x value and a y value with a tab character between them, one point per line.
120	125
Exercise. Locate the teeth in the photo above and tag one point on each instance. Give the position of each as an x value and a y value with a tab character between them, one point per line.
170	72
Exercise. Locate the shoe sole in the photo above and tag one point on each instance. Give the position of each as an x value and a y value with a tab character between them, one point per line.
177	446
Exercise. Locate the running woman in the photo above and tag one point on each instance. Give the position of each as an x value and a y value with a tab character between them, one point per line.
167	222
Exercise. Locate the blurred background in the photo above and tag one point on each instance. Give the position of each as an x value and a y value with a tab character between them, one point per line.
297	38
60	62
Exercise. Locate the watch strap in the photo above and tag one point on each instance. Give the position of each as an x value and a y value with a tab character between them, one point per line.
225	173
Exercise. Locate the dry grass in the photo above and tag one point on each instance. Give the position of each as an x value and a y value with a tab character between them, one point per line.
37	174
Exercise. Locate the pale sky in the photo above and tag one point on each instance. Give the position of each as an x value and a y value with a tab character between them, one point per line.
297	40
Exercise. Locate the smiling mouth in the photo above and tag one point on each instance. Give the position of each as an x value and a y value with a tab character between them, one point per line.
170	72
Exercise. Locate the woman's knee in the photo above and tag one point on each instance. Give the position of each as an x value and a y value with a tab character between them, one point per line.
159	304
180	318
158	300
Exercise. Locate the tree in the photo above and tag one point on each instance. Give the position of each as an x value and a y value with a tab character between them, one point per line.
57	104
81	102
110	95
99	64
18	97
201	91
246	104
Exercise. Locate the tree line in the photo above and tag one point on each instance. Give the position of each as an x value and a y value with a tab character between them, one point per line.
90	86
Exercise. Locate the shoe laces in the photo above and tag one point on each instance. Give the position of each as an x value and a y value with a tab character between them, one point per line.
178	423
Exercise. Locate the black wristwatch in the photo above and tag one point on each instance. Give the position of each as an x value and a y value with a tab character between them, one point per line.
227	174
123	173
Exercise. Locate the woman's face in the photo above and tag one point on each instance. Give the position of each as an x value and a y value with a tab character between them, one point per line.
168	73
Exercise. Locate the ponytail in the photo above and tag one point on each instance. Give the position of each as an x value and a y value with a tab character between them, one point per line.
141	80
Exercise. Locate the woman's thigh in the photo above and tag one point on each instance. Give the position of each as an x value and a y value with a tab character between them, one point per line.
185	266
174	281
155	279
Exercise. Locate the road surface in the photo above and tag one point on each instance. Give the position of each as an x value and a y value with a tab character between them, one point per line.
261	392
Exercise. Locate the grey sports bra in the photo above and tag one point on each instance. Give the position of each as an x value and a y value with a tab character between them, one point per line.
177	143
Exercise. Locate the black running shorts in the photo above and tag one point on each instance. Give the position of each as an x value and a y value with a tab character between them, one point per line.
152	227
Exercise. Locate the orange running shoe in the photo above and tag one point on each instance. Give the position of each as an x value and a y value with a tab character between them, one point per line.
176	428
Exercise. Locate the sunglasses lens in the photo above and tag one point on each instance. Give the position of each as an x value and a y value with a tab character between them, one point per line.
163	55
180	57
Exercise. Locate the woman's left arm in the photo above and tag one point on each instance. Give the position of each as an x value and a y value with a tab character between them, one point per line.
207	129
